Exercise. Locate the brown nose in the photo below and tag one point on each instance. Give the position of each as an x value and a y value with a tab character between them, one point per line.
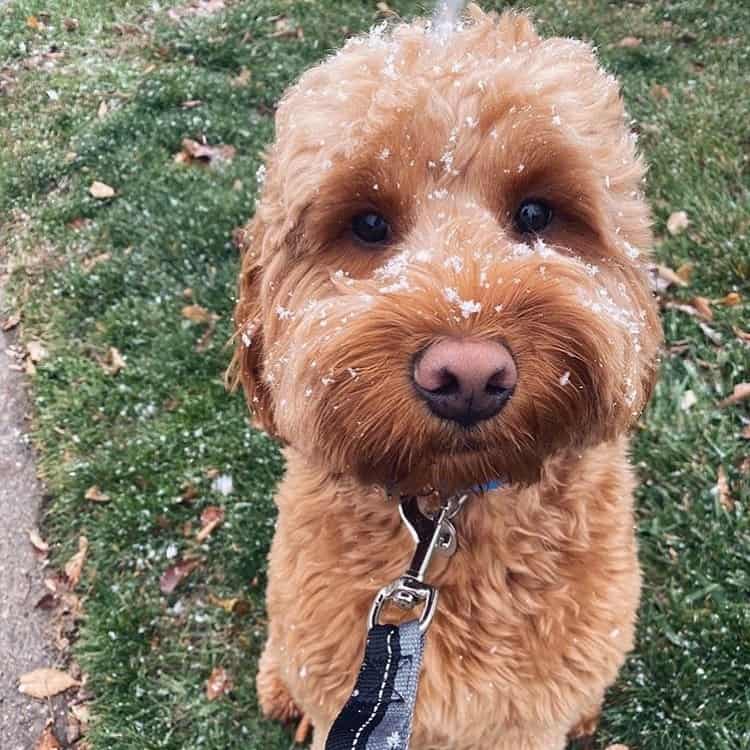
465	381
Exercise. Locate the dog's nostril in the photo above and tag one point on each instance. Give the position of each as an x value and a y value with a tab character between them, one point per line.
465	381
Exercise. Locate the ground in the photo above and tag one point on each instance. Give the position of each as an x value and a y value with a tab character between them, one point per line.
131	297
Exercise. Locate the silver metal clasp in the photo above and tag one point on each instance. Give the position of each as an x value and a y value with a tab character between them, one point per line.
433	534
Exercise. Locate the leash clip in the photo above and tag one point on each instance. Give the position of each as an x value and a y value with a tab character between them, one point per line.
434	534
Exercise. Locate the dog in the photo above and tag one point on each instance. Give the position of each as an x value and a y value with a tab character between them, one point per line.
445	284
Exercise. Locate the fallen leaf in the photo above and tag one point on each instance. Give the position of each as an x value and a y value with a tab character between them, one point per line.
677	223
102	111
71	24
629	42
746	432
722	490
196	314
96	495
191	104
744	466
617	747
101	190
659	91
113	362
685	271
37	542
731	299
45	682
175	574
211	517
194	152
228	605
78	224
89	264
33	23
74	566
711	334
47	740
740	393
47	601
242	78
688	400
189	492
219	683
285	28
11	322
36	351
82	712
702	306
741	335
666	277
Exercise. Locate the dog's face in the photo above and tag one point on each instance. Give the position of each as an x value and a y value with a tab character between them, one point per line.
445	279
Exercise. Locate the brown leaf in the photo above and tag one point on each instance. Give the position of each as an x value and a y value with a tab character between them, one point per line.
11	322
228	605
385	10
45	682
745	432
685	271
191	104
71	24
659	91
629	42
677	223
617	747
36	351
702	305
242	78
113	362
285	28
82	712
37	542
196	8
101	191
94	494
47	740
33	23
47	601
731	299
740	393
666	277
175	574
194	152
89	264
74	566
741	335
218	684
211	517
196	314
103	109
723	491
78	224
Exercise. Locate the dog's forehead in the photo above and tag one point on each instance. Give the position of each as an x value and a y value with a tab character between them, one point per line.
414	83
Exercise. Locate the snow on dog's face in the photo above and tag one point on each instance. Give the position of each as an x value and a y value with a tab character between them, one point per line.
478	187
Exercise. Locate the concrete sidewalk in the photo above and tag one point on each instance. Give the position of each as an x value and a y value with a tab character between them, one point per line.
22	627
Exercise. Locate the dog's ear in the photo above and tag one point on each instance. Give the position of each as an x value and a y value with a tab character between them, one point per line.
246	367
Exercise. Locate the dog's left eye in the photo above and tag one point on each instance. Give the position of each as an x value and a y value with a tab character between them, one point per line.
371	227
533	216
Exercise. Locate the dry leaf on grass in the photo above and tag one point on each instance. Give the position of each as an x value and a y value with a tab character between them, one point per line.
219	683
617	747
664	277
702	306
11	322
740	393
659	91
37	542
629	42
36	351
196	314
241	79
741	335
745	432
101	191
89	264
74	566
113	362
211	517
175	574
677	223
731	299
46	682
47	740
685	271
103	109
688	400
96	495
48	601
285	28
202	154
191	104
722	490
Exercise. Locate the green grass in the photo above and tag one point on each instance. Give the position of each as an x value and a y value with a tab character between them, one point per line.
166	421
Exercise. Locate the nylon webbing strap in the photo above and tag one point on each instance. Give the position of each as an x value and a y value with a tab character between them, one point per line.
378	714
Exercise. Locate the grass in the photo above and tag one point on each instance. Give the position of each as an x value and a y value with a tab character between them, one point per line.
92	274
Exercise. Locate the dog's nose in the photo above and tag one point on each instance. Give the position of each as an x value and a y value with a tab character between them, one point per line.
465	380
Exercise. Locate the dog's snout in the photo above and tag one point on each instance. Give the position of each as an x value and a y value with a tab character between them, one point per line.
464	380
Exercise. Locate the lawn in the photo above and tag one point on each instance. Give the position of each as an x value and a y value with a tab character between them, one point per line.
107	91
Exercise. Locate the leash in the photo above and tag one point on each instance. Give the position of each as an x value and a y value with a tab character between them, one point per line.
379	712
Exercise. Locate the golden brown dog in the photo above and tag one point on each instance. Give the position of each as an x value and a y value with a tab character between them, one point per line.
444	285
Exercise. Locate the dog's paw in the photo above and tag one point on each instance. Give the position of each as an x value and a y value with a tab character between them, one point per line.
585	729
273	695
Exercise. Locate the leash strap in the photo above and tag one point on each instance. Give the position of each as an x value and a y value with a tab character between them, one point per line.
378	715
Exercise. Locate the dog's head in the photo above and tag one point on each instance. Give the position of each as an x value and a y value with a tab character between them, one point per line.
445	278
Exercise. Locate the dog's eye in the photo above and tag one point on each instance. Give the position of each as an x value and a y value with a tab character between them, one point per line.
533	216
370	227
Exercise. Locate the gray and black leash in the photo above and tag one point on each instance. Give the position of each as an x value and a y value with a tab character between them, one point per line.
379	712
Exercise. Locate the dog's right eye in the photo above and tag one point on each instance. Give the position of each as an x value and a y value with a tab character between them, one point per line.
371	227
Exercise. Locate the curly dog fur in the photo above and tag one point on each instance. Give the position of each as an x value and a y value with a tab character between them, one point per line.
445	134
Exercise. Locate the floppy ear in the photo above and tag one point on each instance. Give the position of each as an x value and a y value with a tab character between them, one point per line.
246	367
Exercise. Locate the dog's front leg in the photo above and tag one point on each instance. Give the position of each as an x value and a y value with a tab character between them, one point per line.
273	694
